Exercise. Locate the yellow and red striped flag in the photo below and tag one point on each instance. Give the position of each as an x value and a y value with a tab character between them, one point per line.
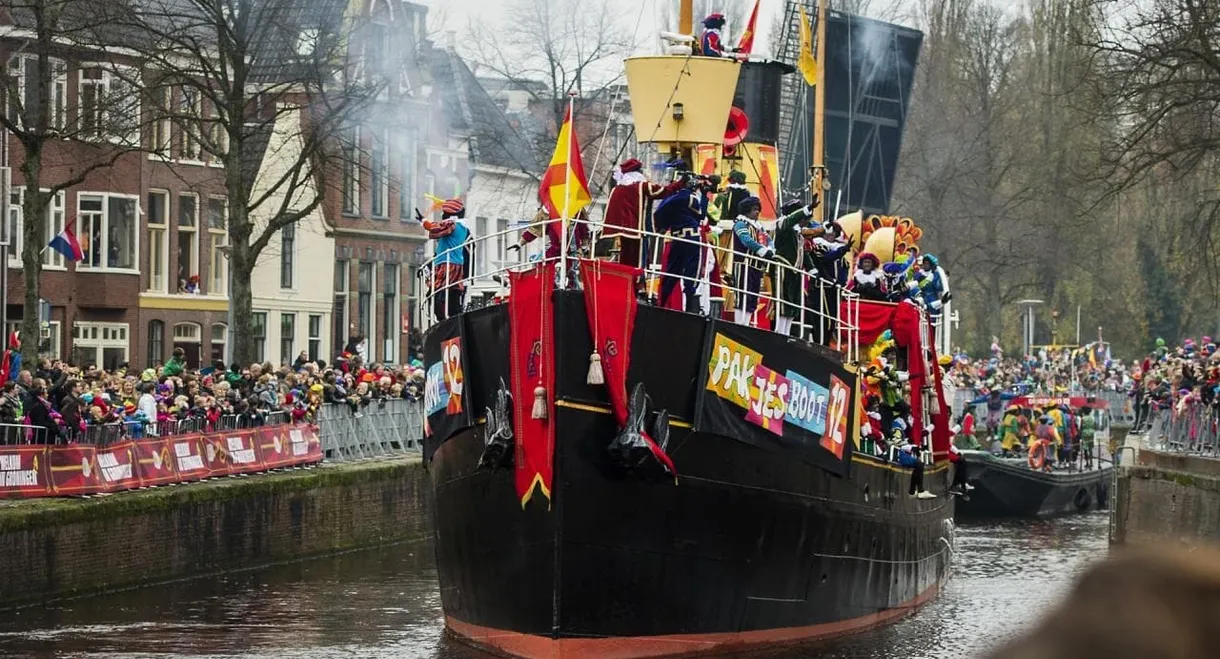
745	45
565	188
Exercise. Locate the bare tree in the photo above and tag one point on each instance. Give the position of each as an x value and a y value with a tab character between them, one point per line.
557	48
62	143
259	72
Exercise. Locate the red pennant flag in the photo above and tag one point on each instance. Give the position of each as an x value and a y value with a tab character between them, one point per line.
746	44
532	356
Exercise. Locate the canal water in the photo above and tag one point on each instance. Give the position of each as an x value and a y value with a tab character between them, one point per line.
384	604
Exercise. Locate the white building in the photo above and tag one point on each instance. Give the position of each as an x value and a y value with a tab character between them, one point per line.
292	284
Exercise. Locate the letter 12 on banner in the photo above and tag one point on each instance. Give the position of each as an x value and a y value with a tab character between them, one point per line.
836	417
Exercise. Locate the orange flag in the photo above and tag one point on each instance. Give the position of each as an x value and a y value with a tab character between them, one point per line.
564	184
746	44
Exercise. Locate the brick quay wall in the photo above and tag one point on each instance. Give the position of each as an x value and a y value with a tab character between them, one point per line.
54	548
1167	498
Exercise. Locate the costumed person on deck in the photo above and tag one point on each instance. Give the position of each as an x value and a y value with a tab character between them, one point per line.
897	283
710	41
828	250
751	244
733	194
1088	435
1046	438
681	216
1014	431
933	285
789	246
628	210
449	264
868	281
543	225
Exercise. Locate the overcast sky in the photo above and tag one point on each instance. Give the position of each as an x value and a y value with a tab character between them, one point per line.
639	15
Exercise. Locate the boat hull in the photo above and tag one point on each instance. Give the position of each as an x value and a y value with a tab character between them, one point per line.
747	547
1009	488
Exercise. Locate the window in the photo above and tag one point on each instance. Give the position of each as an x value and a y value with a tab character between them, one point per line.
307	42
339	314
501	237
191	109
48	341
99	344
220	338
288	331
288	240
364	299
218	141
480	249
389	307
108	104
412	291
107	230
380	176
406	179
259	326
16	197
156	343
218	263
315	337
351	169
158	247
162	126
188	241
16	228
24	101
55	225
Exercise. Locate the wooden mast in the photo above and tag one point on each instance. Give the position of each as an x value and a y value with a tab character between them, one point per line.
819	114
686	17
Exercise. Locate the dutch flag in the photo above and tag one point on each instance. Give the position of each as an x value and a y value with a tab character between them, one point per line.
66	243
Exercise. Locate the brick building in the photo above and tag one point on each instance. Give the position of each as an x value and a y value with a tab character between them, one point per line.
146	221
152	222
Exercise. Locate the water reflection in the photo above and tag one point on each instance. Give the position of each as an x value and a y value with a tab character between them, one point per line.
384	604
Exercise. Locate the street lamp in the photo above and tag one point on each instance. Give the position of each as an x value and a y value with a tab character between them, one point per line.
1027	322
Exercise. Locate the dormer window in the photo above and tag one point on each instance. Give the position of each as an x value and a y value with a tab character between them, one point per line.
307	42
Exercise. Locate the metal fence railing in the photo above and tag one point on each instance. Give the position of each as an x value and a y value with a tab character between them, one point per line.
381	428
384	427
1192	428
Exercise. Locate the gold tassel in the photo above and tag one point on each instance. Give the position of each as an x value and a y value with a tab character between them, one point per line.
539	411
596	376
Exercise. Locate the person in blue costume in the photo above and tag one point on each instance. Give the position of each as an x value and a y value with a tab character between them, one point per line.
828	252
897	284
449	265
680	215
752	251
709	43
933	285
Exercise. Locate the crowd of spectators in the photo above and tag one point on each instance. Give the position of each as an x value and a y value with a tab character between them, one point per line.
57	402
1088	370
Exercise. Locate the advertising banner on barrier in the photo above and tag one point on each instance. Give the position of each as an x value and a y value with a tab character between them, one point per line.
81	469
74	469
154	462
116	467
285	446
23	471
187	452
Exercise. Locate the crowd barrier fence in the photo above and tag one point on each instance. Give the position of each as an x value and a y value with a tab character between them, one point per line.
114	457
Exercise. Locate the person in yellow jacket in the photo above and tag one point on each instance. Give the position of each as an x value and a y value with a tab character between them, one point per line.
1059	420
1014	430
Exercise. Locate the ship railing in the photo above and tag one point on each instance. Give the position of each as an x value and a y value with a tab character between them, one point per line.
827	314
1193	428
